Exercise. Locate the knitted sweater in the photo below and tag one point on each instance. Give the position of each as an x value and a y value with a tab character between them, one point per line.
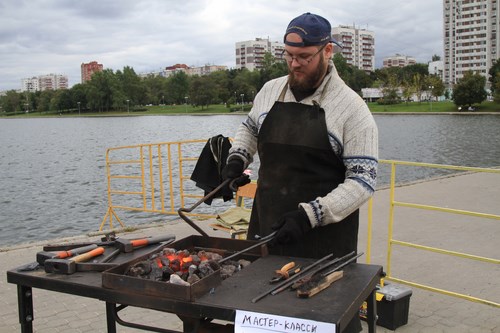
352	133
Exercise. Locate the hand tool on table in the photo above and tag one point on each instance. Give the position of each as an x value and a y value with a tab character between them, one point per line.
129	245
42	256
107	240
68	266
285	284
314	286
349	257
322	279
285	272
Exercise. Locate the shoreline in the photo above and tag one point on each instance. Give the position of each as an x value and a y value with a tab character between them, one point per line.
239	113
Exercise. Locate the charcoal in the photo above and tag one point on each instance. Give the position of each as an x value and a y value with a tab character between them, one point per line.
244	263
175	279
212	256
192	269
195	259
193	278
168	251
175	265
214	265
165	261
141	268
205	269
227	271
156	273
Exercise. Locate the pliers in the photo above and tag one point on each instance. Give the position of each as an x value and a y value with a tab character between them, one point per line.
285	272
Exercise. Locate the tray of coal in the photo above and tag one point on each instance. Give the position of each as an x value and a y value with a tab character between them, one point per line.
185	269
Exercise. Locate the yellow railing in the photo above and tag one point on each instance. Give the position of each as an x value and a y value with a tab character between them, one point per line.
141	178
391	241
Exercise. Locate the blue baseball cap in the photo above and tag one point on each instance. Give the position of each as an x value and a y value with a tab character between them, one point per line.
312	28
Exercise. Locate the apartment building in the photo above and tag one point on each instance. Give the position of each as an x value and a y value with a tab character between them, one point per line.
44	82
30	84
250	53
398	60
88	69
358	46
471	37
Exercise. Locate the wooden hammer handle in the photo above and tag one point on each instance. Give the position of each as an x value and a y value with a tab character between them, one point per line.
89	255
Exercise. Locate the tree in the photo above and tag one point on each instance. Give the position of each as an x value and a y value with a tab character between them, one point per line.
178	87
496	95
493	77
437	85
203	91
469	90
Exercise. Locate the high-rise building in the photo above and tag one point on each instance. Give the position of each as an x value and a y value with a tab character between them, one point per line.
399	60
45	82
358	46
250	54
90	68
471	37
30	84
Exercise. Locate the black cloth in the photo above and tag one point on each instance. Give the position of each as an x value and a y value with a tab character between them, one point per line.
208	170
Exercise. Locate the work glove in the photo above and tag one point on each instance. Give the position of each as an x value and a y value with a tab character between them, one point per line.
234	170
291	228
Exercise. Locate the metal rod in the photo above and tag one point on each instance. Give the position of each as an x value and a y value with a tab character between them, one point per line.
315	270
181	210
341	265
262	242
292	279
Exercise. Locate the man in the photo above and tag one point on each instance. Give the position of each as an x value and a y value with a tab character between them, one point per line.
318	147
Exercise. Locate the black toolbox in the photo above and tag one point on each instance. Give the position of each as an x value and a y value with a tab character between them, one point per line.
393	306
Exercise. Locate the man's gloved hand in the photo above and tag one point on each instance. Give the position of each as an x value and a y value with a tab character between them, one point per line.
234	170
291	227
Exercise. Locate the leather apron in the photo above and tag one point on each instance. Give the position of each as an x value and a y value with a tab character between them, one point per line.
297	164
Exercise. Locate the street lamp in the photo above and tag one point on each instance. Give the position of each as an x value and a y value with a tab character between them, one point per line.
430	88
186	104
128	108
242	95
78	107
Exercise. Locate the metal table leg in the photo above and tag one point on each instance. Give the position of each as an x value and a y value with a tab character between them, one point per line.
371	315
111	317
25	304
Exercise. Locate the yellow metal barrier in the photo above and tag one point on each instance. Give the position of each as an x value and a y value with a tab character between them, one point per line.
136	180
391	241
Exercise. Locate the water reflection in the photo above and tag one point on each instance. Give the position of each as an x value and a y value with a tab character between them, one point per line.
53	175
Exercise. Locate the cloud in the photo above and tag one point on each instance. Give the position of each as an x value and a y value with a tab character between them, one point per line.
56	36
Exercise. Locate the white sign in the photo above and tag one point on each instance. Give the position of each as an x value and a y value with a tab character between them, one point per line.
253	322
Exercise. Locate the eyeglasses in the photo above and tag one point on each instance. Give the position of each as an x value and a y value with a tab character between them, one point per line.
303	61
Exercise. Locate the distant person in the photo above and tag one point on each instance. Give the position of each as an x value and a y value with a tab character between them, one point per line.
318	148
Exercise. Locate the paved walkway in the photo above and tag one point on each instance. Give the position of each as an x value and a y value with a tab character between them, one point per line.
429	312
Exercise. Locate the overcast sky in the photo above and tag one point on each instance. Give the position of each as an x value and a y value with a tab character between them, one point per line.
56	36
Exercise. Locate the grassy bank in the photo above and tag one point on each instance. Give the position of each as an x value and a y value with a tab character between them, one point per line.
413	107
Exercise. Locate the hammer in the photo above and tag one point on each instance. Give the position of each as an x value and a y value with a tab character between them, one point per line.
68	266
127	245
44	255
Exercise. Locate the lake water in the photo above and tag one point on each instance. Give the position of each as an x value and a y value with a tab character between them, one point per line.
53	179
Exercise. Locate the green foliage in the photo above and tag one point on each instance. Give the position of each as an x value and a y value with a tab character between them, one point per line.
109	91
354	77
469	90
494	77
